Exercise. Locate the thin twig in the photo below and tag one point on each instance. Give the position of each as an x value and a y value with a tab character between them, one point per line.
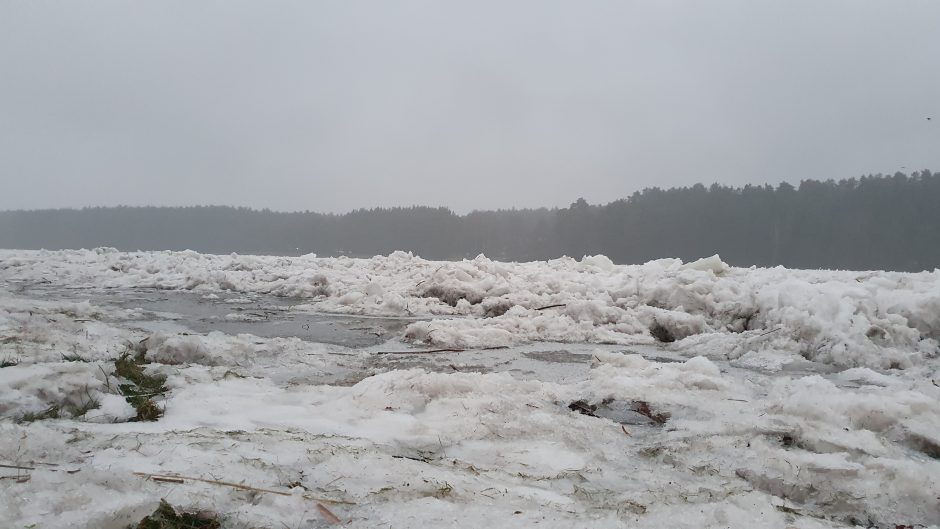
107	379
419	459
17	467
770	332
447	350
150	394
46	464
67	471
172	478
552	306
421	352
761	335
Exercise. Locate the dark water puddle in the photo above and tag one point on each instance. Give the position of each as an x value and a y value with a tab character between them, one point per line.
559	357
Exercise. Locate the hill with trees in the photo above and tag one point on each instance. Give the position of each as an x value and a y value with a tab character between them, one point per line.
872	222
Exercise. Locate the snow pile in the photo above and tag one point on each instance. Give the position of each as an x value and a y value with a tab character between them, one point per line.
288	360
27	389
880	320
694	447
44	331
862	453
212	350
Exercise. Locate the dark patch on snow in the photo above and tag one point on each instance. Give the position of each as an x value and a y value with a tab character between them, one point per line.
877	335
661	333
583	407
452	295
9	362
635	412
786	439
778	486
742	322
664	359
495	307
643	408
924	444
807	499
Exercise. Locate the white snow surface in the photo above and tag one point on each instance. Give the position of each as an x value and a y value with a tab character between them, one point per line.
790	398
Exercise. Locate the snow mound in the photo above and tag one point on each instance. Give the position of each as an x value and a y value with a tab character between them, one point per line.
27	388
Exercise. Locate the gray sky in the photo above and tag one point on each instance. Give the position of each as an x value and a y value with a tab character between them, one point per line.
336	105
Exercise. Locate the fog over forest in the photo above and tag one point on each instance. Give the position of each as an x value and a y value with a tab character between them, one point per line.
872	222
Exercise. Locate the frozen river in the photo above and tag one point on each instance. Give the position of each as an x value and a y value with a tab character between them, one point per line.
385	421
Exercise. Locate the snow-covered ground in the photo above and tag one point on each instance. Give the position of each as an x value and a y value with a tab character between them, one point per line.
569	393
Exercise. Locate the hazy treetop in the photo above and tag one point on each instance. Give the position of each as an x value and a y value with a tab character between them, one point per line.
332	106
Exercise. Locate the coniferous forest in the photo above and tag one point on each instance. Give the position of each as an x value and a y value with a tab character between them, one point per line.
872	222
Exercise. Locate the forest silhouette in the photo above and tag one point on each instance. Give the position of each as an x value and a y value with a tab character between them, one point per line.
868	223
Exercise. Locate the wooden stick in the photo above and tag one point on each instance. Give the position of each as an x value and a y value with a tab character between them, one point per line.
164	479
552	306
327	514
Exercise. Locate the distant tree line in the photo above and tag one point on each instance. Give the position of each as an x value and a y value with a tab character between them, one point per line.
872	222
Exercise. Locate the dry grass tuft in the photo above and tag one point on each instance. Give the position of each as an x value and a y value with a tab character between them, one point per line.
166	517
141	387
52	412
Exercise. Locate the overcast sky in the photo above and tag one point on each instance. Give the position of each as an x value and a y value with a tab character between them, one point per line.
337	105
